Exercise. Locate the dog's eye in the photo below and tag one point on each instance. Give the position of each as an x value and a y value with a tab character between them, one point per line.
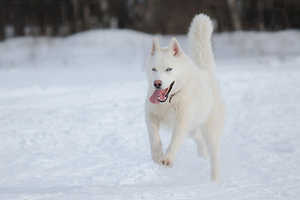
153	69
169	69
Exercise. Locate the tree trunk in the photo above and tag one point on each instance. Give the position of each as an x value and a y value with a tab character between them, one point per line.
77	22
64	18
235	17
105	16
2	21
41	20
87	15
19	21
260	15
56	18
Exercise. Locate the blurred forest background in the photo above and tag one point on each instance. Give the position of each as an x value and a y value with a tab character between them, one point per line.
66	17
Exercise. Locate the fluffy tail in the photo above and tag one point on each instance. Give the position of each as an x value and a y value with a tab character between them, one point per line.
200	42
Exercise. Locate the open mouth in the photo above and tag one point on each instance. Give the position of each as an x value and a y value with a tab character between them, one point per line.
161	95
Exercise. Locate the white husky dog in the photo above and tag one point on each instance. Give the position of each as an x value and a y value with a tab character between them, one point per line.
185	97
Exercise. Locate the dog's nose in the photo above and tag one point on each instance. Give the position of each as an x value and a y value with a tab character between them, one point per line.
157	83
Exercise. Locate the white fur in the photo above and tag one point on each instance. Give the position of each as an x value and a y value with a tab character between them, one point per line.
197	109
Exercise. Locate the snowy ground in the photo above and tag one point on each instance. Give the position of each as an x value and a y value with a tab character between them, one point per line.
72	120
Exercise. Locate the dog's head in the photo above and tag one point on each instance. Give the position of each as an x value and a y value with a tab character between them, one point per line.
165	70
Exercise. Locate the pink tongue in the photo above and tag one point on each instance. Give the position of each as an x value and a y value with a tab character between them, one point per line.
155	95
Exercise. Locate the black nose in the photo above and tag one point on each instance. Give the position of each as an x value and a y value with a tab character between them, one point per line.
157	83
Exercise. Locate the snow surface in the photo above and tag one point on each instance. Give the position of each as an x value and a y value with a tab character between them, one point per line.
72	120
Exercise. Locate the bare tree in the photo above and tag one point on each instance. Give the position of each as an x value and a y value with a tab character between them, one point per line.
235	17
87	15
260	15
2	20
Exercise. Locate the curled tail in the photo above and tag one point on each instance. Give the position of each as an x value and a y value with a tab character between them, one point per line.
200	42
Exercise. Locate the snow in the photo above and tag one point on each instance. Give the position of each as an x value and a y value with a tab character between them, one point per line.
72	120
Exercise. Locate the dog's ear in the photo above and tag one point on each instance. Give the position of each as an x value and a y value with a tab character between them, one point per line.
154	46
174	47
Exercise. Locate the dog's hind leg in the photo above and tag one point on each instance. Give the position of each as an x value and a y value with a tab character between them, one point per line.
212	132
197	136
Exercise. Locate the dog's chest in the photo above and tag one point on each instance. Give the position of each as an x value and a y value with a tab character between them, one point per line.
167	116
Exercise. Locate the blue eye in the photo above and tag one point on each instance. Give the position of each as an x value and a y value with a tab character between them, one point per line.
153	69
169	69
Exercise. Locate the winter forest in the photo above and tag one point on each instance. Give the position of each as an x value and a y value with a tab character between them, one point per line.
66	17
73	89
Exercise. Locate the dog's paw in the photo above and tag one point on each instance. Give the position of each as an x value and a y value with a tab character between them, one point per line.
157	156
166	162
157	159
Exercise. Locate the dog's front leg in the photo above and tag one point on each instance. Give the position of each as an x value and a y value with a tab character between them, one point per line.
155	143
180	133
